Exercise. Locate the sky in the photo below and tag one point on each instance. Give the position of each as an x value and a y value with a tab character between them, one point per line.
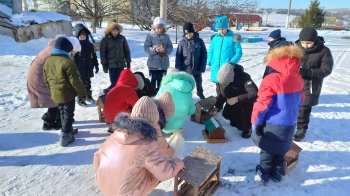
303	4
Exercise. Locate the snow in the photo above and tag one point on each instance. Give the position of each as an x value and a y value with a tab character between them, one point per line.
33	163
27	18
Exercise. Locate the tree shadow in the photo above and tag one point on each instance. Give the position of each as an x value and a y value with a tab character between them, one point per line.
16	141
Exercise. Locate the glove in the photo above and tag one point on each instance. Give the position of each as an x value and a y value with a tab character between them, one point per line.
105	69
128	65
259	130
305	73
96	69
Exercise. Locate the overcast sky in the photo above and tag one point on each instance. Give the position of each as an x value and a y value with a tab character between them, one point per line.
303	4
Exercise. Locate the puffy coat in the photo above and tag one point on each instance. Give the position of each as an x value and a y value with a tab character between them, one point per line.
245	89
280	95
318	62
62	78
86	60
191	53
222	50
122	97
180	86
131	163
157	61
39	95
114	51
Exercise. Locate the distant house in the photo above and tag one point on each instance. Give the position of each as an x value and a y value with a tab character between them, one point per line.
15	5
248	20
328	22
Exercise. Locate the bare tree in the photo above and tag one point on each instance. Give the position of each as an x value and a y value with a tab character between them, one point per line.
249	7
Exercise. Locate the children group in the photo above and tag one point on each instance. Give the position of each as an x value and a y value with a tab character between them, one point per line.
141	113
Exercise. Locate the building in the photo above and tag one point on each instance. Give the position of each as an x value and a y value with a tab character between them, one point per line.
15	5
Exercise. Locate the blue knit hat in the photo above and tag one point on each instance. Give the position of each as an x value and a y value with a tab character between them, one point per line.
275	34
64	44
221	22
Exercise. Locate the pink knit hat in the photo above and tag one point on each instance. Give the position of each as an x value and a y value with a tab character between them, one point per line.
145	108
167	104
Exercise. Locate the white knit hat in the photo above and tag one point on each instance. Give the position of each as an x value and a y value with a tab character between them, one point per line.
158	22
140	82
226	74
76	44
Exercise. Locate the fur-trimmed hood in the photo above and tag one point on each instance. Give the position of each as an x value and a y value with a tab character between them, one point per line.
285	59
134	128
111	26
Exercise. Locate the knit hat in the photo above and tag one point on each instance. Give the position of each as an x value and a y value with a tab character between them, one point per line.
158	23
64	44
76	43
166	102
308	34
226	74
275	34
282	43
221	22
145	108
140	82
188	28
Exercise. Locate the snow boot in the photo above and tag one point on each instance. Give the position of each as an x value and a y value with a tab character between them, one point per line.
82	103
90	99
48	126
263	174
74	131
276	173
247	134
66	139
299	135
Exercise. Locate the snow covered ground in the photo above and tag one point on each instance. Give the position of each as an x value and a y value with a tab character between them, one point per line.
33	163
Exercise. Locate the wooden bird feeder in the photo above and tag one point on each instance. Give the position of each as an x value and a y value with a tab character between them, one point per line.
100	104
201	176
291	158
214	131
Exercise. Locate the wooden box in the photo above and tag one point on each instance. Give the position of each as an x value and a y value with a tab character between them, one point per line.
291	158
201	176
214	131
204	110
100	104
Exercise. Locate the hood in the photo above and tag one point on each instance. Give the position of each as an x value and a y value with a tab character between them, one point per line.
181	81
111	26
130	129
78	28
285	59
238	69
127	78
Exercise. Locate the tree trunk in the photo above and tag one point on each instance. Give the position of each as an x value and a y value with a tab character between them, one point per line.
25	5
95	24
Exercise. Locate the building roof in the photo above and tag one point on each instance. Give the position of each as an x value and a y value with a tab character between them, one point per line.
248	18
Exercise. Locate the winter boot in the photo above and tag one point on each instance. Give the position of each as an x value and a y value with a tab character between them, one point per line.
201	96
263	174
74	131
247	134
66	139
81	102
276	173
90	99
299	135
48	126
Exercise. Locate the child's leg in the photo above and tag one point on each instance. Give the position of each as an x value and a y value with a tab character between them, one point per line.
152	73
87	85
198	79
161	73
67	115
263	169
114	75
277	167
49	118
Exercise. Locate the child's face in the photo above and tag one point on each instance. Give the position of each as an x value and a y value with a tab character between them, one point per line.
115	31
222	31
82	37
189	35
159	30
307	44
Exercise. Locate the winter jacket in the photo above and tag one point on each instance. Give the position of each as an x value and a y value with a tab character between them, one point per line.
318	63
180	86
147	90
222	50
114	52
280	95
157	61
191	53
245	89
122	97
38	93
86	60
129	164
62	78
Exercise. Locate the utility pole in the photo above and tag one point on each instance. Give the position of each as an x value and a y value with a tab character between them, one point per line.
287	22
163	9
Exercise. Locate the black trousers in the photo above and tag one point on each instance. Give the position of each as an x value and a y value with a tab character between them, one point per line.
156	78
67	115
304	117
114	75
267	160
52	116
199	80
87	85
